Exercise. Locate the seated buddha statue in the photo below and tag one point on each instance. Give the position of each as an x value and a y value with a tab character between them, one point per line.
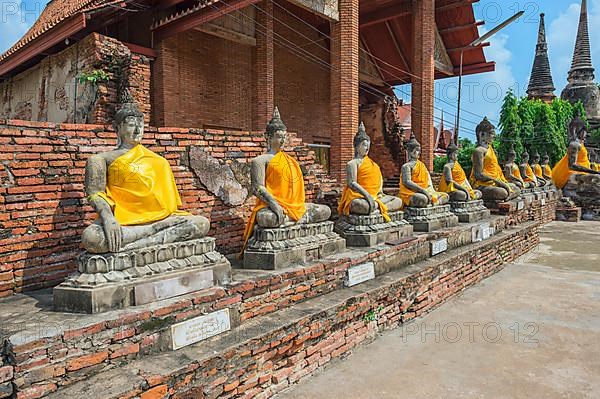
486	174
527	171
594	159
134	192
537	169
416	188
454	180
512	173
576	160
278	183
363	194
546	169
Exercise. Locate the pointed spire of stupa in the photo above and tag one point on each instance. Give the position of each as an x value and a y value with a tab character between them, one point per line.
541	84
581	67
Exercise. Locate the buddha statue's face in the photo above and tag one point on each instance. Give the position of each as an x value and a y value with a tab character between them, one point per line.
536	159
276	141
525	158
131	130
511	157
362	149
414	152
545	160
582	135
453	156
488	136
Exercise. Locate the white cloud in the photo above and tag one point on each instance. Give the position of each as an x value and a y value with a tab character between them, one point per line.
561	35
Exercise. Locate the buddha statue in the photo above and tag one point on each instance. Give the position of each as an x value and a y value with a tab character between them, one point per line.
576	160
594	159
134	192
512	173
486	174
416	188
527	171
363	194
278	183
454	180
546	169
538	171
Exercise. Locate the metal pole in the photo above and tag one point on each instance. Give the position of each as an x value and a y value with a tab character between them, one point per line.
460	72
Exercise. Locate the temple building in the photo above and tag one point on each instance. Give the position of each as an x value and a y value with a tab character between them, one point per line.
581	86
541	85
224	65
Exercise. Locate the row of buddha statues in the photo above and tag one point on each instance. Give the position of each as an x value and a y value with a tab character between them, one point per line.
141	227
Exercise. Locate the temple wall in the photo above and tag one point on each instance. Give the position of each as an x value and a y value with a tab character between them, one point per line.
302	87
372	117
42	206
51	92
201	80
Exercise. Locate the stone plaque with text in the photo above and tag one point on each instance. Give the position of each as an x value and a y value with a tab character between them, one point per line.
199	328
360	273
439	246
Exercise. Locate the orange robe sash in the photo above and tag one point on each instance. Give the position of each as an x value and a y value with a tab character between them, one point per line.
491	168
459	176
370	178
285	182
537	170
420	176
529	175
548	170
561	171
141	188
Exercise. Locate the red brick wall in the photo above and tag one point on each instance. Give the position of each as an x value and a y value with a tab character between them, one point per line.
372	117
423	14
301	86
344	85
42	205
201	80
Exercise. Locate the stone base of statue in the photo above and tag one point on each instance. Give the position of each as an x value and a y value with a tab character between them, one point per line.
371	230
272	249
506	207
430	218
136	277
528	195
470	211
584	190
567	210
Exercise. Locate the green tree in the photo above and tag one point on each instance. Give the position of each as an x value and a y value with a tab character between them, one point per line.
438	164
547	137
510	124
465	152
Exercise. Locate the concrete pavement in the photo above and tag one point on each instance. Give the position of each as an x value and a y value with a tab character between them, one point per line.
532	330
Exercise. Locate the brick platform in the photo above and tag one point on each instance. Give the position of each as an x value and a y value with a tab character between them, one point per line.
271	342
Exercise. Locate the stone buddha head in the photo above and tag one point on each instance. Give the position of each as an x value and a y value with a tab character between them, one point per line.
129	123
511	155
413	148
525	157
486	132
535	158
276	132
362	142
452	152
577	129
545	159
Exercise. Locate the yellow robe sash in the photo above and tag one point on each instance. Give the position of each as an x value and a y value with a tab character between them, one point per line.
537	170
515	171
370	178
529	175
141	188
285	182
459	176
420	176
548	170
561	171
491	168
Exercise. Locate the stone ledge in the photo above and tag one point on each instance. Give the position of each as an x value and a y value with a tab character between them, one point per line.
281	349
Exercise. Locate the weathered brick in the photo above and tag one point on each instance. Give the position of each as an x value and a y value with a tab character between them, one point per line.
87	360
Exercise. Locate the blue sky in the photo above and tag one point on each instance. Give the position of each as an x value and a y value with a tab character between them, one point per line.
512	49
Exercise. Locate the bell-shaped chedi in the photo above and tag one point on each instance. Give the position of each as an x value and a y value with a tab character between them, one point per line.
581	86
541	85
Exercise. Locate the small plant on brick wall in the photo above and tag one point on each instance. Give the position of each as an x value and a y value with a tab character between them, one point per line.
372	314
94	78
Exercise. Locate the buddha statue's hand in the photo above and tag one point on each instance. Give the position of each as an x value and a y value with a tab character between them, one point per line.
113	233
278	211
372	204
